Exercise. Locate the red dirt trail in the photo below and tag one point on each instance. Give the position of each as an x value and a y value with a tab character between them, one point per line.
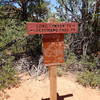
38	89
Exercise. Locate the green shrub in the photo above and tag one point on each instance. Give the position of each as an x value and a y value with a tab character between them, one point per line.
8	77
14	43
10	31
89	78
71	58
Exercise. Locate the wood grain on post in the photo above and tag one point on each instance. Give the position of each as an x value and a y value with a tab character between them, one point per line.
53	74
53	82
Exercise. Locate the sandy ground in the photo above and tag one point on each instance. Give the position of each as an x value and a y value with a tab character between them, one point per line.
38	89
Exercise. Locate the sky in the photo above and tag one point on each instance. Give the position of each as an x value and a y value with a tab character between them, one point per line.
53	3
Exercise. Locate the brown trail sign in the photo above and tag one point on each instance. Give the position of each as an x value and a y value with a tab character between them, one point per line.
51	28
53	46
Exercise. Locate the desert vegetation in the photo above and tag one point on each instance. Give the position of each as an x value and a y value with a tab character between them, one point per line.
20	52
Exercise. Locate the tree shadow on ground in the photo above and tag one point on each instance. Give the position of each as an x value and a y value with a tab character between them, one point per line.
60	97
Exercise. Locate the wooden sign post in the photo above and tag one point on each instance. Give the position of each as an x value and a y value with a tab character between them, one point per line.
53	46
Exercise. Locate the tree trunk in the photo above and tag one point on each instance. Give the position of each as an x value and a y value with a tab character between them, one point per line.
24	15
